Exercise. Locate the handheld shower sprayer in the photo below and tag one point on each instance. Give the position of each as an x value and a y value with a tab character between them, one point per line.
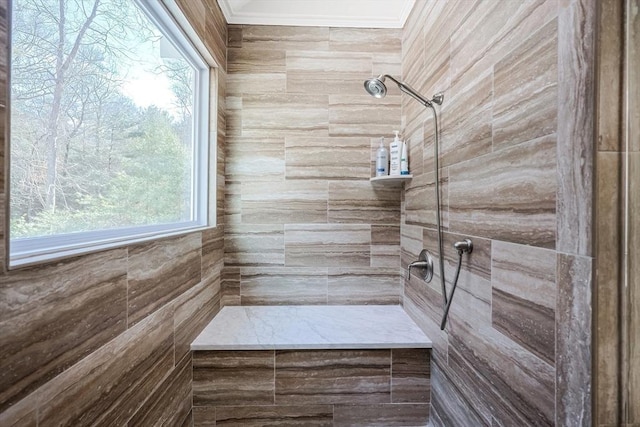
375	87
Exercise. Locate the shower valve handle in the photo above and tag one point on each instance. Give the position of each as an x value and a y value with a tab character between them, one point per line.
424	263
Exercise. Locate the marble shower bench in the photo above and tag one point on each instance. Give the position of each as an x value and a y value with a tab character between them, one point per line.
312	366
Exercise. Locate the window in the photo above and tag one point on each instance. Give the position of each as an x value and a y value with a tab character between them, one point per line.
109	126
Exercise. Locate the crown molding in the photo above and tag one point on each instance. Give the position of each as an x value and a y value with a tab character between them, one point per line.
246	16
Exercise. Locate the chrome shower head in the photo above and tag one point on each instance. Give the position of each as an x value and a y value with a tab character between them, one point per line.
376	87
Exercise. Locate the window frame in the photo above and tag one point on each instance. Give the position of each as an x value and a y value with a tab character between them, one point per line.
171	21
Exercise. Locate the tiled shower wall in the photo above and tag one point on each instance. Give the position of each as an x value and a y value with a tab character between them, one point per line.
303	224
516	151
103	339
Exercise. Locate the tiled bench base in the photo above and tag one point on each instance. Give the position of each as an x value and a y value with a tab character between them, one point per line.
311	366
384	387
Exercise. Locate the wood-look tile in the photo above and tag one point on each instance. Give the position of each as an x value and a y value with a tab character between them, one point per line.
382	415
283	285
340	72
170	402
232	204
508	195
204	416
255	159
21	414
234	35
249	60
269	114
633	384
3	246
424	305
387	63
284	37
573	347
363	285
256	83
248	416
195	12
491	30
449	404
193	311
466	121
52	316
361	202
230	286
284	202
159	271
215	34
327	245
110	385
420	200
251	245
361	39
524	296
188	420
410	375
363	115
385	256
519	385
525	103
232	378
385	234
332	376
608	292
576	32
327	158
212	253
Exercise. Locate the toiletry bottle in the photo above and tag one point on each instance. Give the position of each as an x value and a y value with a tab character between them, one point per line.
404	159
382	160
394	155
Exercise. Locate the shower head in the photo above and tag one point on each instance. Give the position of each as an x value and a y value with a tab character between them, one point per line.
375	87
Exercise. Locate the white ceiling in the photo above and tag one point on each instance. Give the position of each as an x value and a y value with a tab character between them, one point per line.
323	13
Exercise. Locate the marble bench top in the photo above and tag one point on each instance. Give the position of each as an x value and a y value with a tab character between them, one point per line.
311	327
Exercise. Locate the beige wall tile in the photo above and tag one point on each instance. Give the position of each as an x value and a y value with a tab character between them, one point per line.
410	375
507	195
276	285
171	401
53	316
362	202
327	245
573	347
327	158
332	376
160	271
251	245
255	416
525	86
127	369
363	286
524	296
224	378
381	414
576	32
283	202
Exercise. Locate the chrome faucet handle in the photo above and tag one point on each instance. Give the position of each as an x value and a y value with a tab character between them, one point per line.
424	263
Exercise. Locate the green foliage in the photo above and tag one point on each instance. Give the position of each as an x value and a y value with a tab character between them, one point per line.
116	164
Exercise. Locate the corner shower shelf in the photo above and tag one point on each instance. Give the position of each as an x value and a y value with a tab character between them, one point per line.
391	179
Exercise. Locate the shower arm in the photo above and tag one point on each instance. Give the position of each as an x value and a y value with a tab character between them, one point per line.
437	98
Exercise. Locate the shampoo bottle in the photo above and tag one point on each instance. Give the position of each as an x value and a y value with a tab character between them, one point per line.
395	149
404	159
382	160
